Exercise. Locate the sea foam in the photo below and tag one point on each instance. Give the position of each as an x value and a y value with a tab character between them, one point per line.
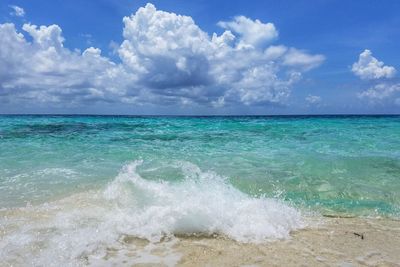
203	202
85	225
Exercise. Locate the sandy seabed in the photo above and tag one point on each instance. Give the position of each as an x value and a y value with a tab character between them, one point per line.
341	242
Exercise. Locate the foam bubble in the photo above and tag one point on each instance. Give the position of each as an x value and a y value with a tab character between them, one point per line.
83	227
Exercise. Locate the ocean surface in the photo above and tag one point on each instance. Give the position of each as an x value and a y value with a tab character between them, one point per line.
64	179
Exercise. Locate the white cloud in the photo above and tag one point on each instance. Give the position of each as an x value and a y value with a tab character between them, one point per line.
298	58
313	99
166	59
17	11
368	67
45	36
252	32
166	49
275	51
45	71
381	92
172	54
261	85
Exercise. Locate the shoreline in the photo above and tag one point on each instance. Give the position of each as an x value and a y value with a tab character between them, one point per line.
324	241
330	242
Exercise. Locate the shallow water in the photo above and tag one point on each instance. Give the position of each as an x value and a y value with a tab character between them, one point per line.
332	164
81	183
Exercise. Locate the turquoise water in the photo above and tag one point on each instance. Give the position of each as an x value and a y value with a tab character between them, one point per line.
332	165
73	188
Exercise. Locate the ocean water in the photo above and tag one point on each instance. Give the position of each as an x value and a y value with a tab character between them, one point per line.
77	184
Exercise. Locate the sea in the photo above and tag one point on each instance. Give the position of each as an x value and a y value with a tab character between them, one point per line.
72	186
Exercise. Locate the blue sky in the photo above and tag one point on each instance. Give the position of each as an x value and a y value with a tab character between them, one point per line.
276	57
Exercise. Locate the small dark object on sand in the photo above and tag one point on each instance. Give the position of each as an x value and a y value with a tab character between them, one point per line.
359	235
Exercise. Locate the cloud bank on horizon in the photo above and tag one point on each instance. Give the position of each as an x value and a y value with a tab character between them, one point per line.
165	59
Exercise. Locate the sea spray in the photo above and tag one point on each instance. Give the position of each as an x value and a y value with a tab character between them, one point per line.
82	227
202	203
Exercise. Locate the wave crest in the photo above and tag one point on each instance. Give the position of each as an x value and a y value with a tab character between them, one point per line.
203	202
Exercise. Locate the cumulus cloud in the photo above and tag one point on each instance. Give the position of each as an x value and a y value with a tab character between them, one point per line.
253	33
368	67
17	11
165	59
381	89
166	49
313	99
173	54
43	70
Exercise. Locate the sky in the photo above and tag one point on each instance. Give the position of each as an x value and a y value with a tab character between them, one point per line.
198	57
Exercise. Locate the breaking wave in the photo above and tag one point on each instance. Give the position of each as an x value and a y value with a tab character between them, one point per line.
74	229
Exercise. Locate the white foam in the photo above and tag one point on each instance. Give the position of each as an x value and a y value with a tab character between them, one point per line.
80	228
203	203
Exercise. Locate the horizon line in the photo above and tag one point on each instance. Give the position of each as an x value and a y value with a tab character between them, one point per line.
199	115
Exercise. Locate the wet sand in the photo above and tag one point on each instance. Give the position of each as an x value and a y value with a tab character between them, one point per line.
326	241
332	242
